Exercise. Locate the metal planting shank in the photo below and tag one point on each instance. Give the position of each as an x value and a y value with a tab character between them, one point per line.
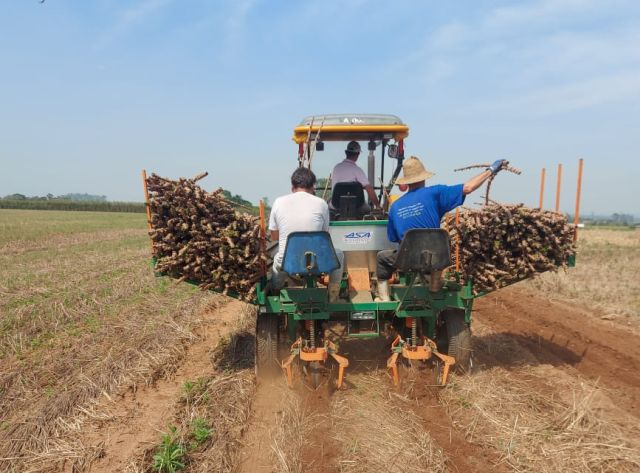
314	354
423	352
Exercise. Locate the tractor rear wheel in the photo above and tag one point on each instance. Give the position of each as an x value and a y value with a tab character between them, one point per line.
267	338
454	338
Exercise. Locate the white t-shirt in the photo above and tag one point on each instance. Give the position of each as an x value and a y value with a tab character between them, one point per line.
297	212
348	171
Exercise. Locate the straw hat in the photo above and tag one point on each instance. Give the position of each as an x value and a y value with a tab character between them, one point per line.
413	171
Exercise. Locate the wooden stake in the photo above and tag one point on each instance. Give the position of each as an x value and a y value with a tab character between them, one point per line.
558	188
542	174
147	205
578	191
457	240
326	187
263	234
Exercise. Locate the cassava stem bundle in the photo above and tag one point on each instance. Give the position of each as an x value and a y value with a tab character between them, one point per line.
506	167
502	244
198	236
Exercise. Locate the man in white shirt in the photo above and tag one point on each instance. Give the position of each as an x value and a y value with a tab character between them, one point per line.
348	171
300	211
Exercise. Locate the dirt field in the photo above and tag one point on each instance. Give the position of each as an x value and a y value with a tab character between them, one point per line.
105	368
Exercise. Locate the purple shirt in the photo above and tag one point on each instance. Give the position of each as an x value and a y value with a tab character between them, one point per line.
348	171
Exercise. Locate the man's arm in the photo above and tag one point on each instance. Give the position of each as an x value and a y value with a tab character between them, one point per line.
475	182
392	235
372	195
273	223
362	178
325	217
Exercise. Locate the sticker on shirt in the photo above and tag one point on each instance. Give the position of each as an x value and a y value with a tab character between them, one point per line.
412	210
357	238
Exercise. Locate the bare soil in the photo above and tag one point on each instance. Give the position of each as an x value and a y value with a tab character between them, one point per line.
372	424
515	330
562	335
137	417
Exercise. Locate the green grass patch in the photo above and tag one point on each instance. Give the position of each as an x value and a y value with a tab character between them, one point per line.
200	432
170	455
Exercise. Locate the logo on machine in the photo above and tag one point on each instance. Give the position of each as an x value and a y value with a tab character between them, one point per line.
358	238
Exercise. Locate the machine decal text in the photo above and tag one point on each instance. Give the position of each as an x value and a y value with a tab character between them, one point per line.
358	238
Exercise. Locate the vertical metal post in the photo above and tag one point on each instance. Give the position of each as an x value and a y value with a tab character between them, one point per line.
558	188
371	166
542	174
382	172
400	159
578	191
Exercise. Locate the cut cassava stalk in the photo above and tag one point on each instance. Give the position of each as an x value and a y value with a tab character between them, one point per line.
503	244
505	166
198	236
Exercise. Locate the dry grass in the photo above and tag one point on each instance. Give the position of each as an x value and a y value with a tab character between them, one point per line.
379	431
289	435
559	428
222	401
22	226
229	393
605	276
81	315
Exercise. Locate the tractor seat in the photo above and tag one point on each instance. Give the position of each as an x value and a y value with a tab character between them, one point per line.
347	198
424	251
309	254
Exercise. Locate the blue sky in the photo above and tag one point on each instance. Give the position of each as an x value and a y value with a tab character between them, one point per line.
91	92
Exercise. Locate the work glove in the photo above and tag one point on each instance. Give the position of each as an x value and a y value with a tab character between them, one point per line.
497	166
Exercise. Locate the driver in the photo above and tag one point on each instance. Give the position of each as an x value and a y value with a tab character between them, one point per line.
348	171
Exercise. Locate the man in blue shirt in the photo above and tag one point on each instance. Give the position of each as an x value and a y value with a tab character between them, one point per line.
422	207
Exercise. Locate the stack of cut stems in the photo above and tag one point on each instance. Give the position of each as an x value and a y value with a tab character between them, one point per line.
503	244
198	236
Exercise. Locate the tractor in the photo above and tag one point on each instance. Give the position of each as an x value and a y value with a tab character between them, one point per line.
427	320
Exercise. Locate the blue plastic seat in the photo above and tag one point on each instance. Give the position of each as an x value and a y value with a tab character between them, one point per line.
309	254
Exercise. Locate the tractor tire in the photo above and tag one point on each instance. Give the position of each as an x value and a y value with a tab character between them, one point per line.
267	339
455	339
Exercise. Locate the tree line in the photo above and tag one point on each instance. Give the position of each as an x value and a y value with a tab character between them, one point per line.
99	203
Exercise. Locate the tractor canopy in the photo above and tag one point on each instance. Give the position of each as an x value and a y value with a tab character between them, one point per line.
347	127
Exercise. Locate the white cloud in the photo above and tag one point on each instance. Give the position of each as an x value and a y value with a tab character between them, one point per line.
235	27
538	57
130	18
449	36
531	14
140	11
577	95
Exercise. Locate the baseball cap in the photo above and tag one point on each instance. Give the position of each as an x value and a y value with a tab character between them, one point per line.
353	147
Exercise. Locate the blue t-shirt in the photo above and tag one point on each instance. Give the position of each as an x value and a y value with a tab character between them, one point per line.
422	208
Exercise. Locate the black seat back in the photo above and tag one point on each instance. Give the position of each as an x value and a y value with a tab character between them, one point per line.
347	198
424	250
